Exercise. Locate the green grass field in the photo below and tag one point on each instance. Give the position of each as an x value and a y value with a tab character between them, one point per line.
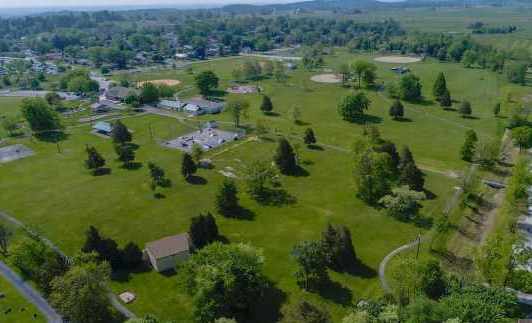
20	310
54	192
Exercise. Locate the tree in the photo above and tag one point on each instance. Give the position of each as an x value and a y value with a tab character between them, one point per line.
266	106
410	88
295	114
522	137
81	294
94	161
345	72
338	248
120	133
227	199
268	68
497	109
126	154
10	124
305	312
352	107
52	98
238	108
413	177
309	137
403	203
365	71
465	109
396	110
131	256
188	167
279	73
105	248
196	152
206	81
516	72
433	281
467	152
259	178
445	100
149	93
251	70
285	158
373	173
487	153
312	261
203	230
223	280
5	236
157	176
440	86
40	115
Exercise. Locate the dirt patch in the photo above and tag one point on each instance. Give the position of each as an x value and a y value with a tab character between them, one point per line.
398	59
160	82
327	78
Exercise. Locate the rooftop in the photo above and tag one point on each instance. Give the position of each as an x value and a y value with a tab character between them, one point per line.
169	246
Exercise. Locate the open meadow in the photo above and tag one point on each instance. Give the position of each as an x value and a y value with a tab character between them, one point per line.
55	193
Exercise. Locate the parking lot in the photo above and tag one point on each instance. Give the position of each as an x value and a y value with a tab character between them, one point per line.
207	139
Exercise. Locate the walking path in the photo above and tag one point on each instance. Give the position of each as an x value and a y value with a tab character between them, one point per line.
30	294
384	263
112	297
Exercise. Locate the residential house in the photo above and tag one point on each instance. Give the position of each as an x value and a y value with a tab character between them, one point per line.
171	104
164	254
117	93
201	106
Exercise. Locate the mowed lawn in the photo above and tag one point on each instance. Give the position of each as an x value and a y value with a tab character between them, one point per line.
54	192
15	308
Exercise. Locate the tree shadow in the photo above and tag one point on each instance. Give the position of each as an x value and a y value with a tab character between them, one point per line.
449	109
302	123
402	119
360	269
422	221
429	194
216	94
471	117
272	114
132	166
300	172
268	308
368	118
101	171
124	275
196	180
52	136
159	196
241	213
335	292
423	102
132	145
315	147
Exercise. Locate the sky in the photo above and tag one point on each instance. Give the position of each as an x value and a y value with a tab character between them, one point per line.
115	3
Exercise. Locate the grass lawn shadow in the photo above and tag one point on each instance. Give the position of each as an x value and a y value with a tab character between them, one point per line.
360	269
124	275
403	119
133	166
52	136
276	197
315	147
241	213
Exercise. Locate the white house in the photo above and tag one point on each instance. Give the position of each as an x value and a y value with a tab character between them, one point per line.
164	254
171	104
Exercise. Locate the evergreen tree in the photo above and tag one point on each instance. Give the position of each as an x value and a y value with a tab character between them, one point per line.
373	174
157	175
410	88
126	154
467	152
389	148
497	109
203	230
406	157
465	109
396	110
131	256
445	99
440	86
94	161
413	177
310	138
266	105
227	199
312	260
93	240
433	280
188	167
338	247
120	133
285	158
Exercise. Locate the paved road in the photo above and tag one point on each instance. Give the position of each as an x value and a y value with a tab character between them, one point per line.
30	294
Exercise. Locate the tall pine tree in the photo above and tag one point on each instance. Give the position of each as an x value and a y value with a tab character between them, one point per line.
227	199
266	105
285	158
188	167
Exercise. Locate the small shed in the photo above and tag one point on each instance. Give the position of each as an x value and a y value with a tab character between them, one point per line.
103	127
164	254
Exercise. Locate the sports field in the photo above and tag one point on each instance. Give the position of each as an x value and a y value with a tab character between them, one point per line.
54	192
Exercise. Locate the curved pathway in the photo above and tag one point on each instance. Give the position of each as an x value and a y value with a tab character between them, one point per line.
384	262
30	294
